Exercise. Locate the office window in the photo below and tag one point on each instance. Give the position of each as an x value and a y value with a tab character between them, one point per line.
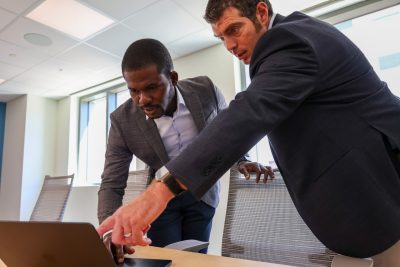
261	152
2	130
96	138
122	97
376	34
94	120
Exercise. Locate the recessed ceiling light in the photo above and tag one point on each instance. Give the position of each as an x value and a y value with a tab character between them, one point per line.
70	16
2	81
37	39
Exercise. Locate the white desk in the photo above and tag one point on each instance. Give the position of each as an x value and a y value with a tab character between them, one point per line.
191	259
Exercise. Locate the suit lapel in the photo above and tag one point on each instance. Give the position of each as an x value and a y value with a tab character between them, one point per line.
150	132
193	104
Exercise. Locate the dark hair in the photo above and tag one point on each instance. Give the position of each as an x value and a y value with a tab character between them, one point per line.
247	8
145	52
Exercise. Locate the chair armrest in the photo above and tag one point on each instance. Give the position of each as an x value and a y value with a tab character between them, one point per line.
344	261
188	245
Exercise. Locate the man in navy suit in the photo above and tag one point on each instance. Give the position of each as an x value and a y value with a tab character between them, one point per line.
333	126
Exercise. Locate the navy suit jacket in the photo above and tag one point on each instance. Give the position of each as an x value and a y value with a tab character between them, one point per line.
330	121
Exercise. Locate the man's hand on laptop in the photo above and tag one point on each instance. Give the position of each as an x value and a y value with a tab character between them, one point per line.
117	251
130	222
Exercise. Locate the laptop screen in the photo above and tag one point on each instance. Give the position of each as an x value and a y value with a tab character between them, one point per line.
56	244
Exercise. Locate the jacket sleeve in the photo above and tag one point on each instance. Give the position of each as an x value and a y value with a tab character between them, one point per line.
115	174
221	103
286	75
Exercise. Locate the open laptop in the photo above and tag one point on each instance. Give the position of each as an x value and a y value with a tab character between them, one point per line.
55	244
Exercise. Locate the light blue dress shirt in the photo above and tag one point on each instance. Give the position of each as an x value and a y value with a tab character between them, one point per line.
178	131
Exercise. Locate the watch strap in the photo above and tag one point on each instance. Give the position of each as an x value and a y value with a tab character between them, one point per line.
169	180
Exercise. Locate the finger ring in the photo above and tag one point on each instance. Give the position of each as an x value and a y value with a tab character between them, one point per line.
127	235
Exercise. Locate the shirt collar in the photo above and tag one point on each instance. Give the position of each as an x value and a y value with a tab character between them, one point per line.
271	21
179	101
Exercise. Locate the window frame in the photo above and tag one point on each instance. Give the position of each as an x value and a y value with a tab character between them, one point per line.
110	93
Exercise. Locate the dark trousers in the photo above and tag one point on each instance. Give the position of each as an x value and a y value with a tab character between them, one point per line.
184	218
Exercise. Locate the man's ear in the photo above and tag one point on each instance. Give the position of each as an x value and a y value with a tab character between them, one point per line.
174	77
262	14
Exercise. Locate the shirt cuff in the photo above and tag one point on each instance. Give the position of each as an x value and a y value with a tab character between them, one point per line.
161	172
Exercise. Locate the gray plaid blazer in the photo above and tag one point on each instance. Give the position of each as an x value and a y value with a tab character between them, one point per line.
132	134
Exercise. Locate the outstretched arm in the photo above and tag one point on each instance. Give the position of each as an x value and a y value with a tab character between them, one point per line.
130	222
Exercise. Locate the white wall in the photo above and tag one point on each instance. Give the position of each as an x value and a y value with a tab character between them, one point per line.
39	150
215	62
29	152
13	154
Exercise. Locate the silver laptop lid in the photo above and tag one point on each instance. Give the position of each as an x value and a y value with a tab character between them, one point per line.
56	244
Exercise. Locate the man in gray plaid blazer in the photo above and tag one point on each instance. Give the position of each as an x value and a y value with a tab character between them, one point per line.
162	117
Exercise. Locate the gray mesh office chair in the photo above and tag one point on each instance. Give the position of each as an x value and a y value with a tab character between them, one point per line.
263	224
53	197
137	183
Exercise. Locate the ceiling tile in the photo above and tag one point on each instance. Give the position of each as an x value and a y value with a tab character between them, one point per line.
88	57
195	8
11	87
108	73
18	56
193	42
35	80
171	23
63	70
8	71
86	82
16	6
5	18
115	40
118	9
16	31
68	88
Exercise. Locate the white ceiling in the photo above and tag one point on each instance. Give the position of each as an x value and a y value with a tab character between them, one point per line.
70	65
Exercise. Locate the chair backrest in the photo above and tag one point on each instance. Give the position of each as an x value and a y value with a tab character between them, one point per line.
263	224
53	197
136	184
